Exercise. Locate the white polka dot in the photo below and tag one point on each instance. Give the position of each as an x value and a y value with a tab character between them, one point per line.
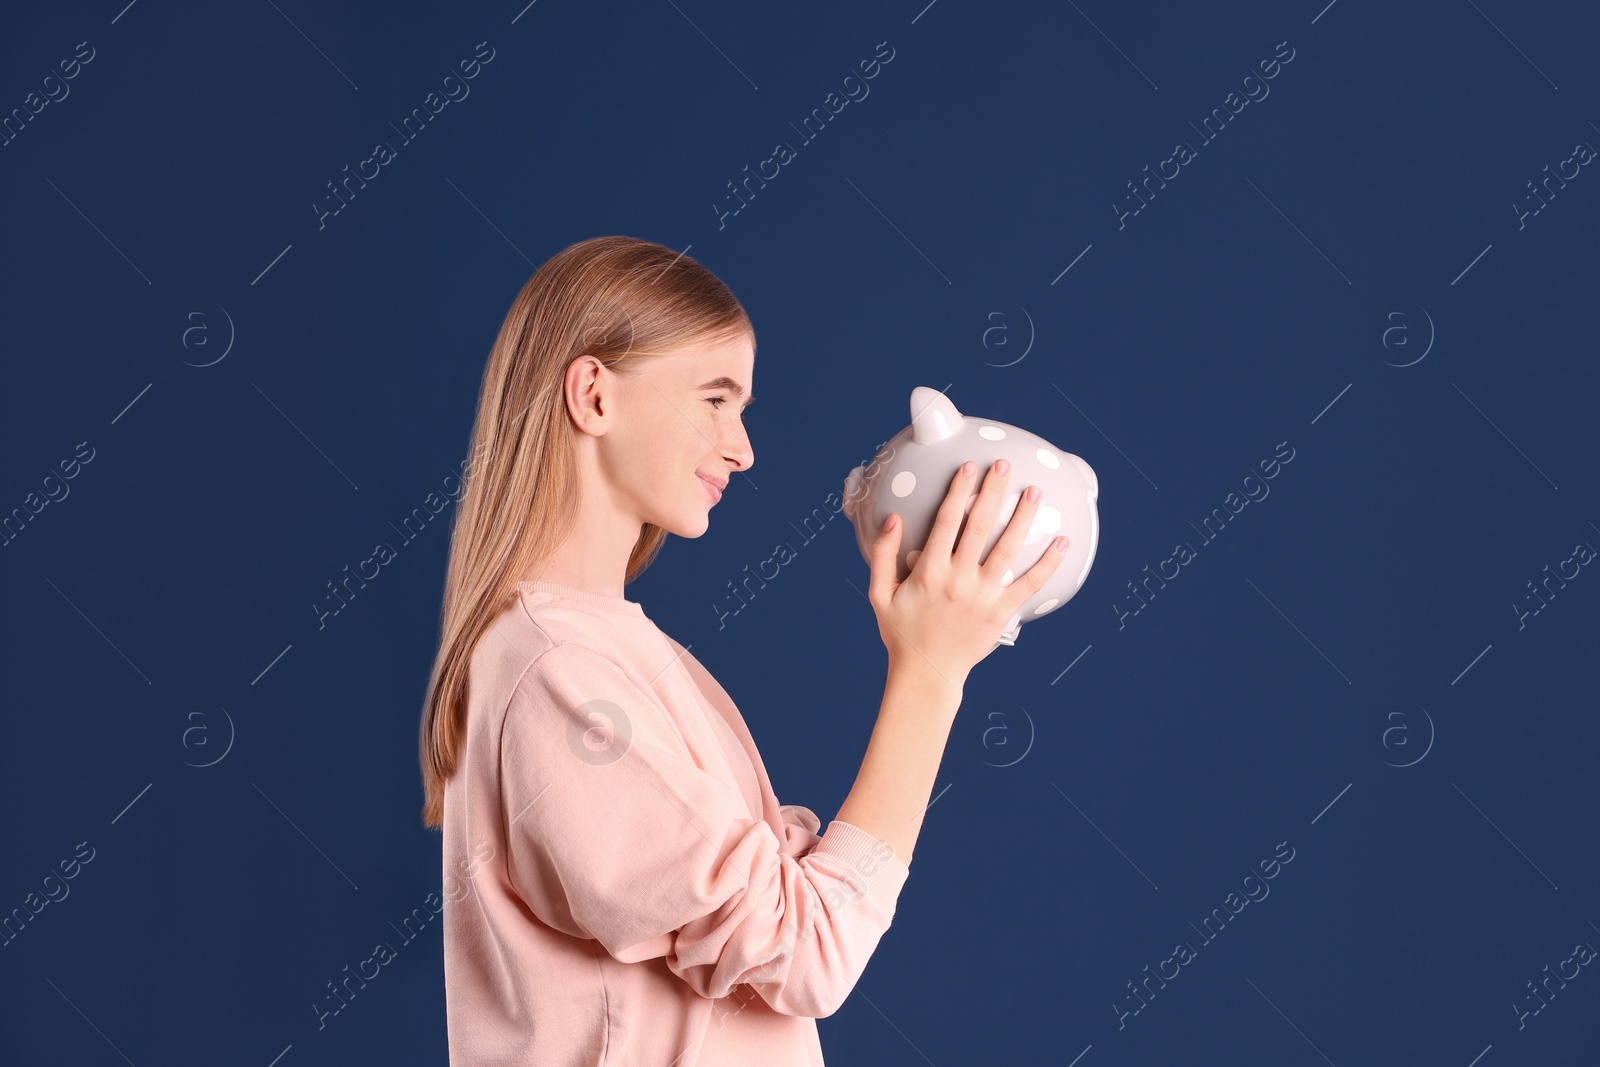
1007	578
1048	458
991	433
1046	606
903	483
1046	521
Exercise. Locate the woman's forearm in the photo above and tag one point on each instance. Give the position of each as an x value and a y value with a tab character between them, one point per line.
895	783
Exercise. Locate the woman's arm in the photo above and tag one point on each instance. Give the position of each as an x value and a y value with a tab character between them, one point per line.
937	625
892	789
614	833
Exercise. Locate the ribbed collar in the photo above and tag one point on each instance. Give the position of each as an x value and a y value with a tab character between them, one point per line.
599	601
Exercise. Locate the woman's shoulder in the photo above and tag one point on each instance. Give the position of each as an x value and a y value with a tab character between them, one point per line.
507	646
525	639
546	670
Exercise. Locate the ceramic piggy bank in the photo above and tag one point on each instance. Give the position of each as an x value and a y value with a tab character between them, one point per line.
911	474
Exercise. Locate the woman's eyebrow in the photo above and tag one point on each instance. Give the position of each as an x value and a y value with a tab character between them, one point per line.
730	385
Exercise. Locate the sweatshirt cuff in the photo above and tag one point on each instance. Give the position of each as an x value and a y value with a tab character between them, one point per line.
867	861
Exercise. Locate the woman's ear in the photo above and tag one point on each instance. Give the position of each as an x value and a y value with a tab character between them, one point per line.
588	388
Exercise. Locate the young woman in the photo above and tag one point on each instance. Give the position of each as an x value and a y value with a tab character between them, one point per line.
621	885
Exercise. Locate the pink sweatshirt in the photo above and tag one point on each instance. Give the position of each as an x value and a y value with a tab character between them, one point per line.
621	885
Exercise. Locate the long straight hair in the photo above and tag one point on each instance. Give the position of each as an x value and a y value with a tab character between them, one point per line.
619	299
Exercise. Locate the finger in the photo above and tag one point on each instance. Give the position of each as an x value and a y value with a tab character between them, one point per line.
1037	575
1016	532
885	551
980	520
947	520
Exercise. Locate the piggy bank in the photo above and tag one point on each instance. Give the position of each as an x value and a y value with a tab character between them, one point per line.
911	474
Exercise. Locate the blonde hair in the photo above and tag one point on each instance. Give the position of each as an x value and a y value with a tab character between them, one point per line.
618	299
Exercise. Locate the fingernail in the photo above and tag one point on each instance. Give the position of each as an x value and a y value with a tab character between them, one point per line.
1002	466
1033	493
968	469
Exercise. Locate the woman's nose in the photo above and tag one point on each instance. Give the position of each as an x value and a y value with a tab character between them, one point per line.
738	450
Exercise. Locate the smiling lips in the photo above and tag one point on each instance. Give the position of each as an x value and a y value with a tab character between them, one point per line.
714	488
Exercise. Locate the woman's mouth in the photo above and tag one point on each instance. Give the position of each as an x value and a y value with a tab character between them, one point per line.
711	487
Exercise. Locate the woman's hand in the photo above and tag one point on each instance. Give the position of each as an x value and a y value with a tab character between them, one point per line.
950	611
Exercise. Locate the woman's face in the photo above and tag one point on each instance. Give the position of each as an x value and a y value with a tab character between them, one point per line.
681	424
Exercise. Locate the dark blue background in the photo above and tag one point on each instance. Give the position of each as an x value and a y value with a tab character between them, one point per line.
1084	822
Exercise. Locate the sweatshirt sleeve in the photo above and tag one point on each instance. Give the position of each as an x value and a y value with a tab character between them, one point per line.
800	826
614	833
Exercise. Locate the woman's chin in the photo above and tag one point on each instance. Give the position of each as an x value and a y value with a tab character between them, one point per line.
690	525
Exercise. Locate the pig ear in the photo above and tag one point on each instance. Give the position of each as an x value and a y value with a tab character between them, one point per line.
933	416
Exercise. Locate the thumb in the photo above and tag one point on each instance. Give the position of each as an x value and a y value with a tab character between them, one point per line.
885	551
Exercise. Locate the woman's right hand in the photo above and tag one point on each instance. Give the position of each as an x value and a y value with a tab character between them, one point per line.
950	611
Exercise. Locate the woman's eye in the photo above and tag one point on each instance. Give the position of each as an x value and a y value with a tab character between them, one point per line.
719	400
